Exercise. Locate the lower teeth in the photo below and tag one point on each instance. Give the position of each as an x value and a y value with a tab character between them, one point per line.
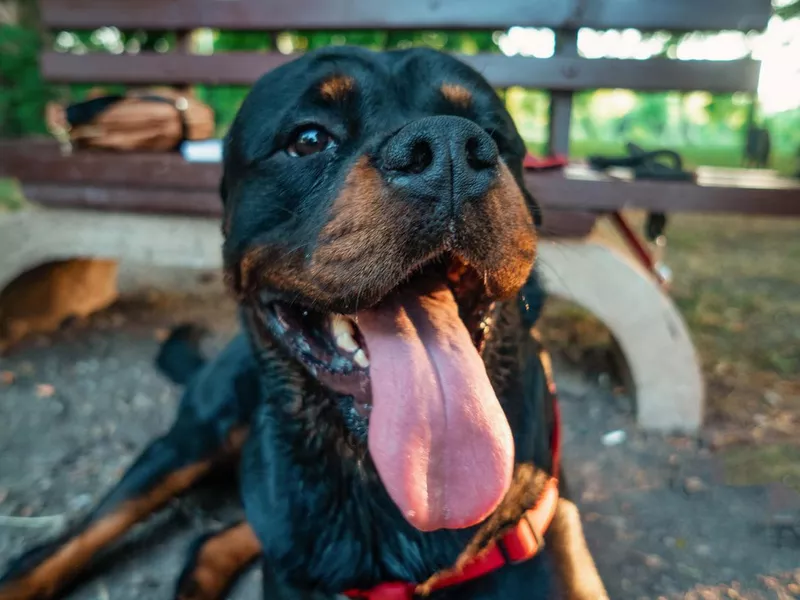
361	359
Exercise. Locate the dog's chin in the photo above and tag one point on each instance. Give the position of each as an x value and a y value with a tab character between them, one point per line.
332	347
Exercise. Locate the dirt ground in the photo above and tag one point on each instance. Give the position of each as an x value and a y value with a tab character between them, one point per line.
660	516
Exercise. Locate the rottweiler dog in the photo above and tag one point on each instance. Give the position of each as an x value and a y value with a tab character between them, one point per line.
389	407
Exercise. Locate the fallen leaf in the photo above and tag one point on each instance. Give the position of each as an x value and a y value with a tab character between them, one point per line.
654	561
694	485
772	398
45	390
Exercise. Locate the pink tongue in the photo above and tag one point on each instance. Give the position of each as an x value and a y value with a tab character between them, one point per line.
437	434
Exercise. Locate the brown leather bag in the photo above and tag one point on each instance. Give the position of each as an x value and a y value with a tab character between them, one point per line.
154	119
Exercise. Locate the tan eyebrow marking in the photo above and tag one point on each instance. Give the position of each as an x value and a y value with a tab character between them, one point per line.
457	94
336	87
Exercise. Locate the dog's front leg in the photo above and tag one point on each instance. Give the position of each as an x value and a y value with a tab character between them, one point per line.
163	471
216	561
576	569
209	431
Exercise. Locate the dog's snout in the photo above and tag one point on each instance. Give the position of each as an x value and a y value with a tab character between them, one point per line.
442	158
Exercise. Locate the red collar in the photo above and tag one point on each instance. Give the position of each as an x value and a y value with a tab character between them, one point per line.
519	544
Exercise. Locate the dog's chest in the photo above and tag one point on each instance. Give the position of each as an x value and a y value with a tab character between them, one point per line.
330	523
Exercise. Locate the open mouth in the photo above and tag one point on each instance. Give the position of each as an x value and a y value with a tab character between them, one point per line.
411	379
333	348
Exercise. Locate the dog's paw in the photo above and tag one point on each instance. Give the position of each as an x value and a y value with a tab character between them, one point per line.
215	562
34	575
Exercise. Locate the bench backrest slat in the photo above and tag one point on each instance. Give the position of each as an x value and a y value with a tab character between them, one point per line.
557	73
562	75
406	14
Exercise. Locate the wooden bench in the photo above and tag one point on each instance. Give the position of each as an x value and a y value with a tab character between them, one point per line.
158	208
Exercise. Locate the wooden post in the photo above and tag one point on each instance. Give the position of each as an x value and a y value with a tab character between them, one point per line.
561	101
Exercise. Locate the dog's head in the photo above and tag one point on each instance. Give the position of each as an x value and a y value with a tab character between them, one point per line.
374	212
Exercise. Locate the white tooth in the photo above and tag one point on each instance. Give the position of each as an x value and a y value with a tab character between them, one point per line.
340	324
361	359
347	342
342	331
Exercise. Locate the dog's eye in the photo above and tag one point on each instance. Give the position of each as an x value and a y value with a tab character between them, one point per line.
309	140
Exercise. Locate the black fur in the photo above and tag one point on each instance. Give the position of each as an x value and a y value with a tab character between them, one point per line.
180	357
310	490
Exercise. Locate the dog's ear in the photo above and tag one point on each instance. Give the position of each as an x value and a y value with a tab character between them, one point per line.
536	211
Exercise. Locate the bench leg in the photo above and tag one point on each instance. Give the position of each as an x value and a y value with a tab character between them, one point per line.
44	245
32	237
660	356
42	299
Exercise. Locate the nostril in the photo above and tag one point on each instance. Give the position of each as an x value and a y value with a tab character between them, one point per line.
480	154
420	158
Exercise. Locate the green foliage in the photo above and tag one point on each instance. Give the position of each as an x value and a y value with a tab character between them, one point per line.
226	99
649	117
226	41
23	93
785	131
467	42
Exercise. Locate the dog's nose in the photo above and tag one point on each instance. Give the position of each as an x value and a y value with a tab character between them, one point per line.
441	158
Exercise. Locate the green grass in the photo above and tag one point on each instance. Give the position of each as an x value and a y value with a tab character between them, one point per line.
737	284
760	466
